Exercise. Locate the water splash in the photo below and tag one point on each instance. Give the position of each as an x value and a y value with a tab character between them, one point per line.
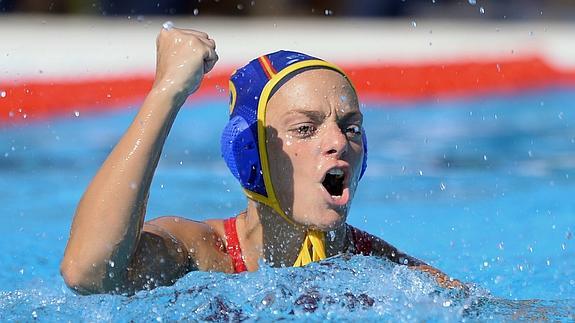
354	288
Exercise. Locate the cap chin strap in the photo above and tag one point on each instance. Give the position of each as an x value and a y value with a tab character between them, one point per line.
312	249
313	246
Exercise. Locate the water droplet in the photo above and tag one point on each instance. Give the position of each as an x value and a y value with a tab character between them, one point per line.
484	157
111	263
168	25
76	113
196	12
472	2
481	10
414	23
328	12
2	94
240	6
442	186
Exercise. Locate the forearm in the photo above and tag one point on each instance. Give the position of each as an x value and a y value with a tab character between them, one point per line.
384	249
110	214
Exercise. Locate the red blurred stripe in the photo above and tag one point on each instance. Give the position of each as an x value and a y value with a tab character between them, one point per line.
34	99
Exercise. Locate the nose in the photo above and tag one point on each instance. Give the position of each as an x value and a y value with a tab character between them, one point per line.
335	143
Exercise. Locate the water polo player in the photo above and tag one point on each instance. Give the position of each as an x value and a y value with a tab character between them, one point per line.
295	142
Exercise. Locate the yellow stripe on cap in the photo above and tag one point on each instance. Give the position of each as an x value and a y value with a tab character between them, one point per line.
234	95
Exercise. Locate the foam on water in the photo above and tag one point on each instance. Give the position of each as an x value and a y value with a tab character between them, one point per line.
355	288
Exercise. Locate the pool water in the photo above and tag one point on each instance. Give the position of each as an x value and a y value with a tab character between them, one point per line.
482	188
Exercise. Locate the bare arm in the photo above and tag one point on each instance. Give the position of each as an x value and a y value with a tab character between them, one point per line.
381	248
108	240
384	249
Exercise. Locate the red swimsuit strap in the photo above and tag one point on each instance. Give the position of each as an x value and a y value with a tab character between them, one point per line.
361	241
233	245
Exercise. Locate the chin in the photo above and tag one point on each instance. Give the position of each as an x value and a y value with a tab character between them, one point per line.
328	220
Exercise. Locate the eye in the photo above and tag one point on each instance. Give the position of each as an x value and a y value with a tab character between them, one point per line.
305	130
353	130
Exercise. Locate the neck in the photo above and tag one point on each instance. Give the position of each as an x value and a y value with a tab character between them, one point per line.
266	235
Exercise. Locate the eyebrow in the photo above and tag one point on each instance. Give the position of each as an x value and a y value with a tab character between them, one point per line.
317	116
313	115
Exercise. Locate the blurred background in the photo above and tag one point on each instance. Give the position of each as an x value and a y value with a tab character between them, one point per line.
497	9
469	109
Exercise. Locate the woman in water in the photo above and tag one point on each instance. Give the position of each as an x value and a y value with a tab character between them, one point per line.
294	141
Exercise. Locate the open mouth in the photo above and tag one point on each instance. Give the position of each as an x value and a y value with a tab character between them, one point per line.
334	181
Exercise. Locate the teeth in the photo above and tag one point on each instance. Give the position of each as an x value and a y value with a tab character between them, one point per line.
335	172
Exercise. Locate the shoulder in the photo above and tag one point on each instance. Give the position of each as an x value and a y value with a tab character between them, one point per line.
360	241
369	244
204	241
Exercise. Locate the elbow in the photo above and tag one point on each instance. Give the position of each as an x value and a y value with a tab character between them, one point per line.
78	280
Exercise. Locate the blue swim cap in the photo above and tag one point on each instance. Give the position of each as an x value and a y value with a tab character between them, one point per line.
243	139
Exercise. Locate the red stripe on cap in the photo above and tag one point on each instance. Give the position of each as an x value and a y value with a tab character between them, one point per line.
267	66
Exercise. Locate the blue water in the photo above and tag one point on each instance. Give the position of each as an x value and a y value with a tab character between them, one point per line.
482	188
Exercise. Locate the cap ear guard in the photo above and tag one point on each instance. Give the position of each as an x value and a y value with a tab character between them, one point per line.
364	162
240	151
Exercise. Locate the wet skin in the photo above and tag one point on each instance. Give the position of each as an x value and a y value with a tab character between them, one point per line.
317	127
313	126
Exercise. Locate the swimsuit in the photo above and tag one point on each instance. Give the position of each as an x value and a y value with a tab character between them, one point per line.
360	240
